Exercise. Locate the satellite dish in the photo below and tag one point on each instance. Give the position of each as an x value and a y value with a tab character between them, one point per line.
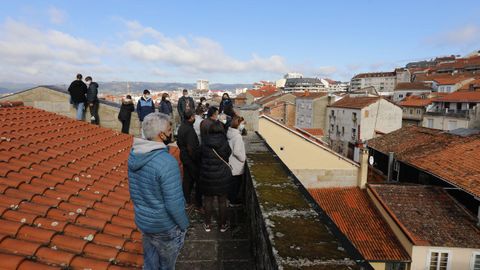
370	160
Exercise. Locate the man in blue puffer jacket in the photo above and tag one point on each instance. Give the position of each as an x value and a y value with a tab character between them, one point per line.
156	192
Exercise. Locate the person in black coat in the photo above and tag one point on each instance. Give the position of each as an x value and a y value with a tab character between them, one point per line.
187	141
78	90
185	103
212	116
125	113
226	105
166	105
92	100
215	174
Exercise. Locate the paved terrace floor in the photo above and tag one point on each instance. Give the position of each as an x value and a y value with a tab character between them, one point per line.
215	250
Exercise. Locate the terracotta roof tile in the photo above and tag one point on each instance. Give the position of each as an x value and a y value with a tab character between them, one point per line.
412	86
64	199
356	216
461	96
450	157
354	102
429	216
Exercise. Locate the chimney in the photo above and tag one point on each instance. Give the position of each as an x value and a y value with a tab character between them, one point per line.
363	171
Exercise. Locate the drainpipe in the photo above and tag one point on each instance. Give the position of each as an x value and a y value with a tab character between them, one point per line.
363	170
390	166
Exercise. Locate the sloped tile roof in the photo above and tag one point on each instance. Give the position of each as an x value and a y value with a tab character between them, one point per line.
428	215
356	216
415	101
64	199
412	86
461	96
450	157
354	102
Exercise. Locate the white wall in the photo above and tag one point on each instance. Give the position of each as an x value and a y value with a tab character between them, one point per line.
459	258
380	116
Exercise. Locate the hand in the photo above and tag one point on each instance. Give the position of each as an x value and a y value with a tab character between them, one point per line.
90	104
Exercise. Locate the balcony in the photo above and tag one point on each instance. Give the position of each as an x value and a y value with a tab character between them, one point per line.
464	114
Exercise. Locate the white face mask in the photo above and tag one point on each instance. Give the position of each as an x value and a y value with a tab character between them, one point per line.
224	121
147	96
204	103
167	99
185	95
88	82
128	100
241	127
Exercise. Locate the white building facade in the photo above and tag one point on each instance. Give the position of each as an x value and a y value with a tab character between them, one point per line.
203	85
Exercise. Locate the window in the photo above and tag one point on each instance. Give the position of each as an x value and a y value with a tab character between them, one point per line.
411	111
452	124
419	111
354	133
430	123
438	260
343	131
395	266
475	265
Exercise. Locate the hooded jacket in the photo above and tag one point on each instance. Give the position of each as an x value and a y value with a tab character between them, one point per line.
77	90
166	107
145	107
92	92
155	188
238	157
215	174
126	110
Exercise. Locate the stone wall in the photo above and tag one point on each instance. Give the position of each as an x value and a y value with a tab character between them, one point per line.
289	230
58	101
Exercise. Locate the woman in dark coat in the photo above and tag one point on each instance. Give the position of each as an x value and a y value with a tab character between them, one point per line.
125	113
226	105
215	174
166	105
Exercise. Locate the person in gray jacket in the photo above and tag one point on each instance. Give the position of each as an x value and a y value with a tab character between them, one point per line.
92	100
237	158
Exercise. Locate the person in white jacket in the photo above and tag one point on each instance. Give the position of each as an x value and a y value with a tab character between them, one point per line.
237	158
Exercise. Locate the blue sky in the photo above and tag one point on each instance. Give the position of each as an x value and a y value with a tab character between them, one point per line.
226	41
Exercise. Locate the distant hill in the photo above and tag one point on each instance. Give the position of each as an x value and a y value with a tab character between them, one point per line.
121	87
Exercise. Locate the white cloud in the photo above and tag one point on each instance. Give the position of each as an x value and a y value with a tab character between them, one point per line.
39	54
57	16
197	54
464	36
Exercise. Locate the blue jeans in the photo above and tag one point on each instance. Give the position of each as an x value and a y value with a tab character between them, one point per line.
160	250
80	108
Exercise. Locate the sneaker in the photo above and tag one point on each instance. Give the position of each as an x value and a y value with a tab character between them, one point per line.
234	205
224	228
207	227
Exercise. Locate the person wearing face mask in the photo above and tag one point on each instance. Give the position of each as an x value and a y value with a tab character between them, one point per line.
203	104
156	193
189	145
198	121
92	100
215	175
226	105
125	114
166	105
145	105
185	103
78	90
225	120
237	158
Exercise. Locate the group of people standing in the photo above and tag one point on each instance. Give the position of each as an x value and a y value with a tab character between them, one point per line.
212	155
85	95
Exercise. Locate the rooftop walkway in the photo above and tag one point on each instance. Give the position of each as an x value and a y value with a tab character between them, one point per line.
215	250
